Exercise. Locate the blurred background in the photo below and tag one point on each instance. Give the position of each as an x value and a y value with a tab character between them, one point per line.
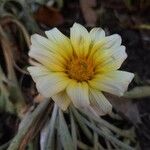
21	18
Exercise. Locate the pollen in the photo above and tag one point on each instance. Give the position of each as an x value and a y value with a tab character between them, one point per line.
80	69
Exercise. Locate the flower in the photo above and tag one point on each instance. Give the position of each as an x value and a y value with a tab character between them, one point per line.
79	69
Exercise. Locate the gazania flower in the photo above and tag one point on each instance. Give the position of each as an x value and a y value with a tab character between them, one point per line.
78	70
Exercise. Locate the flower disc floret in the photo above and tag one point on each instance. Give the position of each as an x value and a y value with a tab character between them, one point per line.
80	69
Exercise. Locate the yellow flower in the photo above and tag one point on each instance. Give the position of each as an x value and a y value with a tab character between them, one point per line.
79	69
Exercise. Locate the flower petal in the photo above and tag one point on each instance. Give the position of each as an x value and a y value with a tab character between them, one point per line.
80	39
110	60
112	41
48	83
78	93
106	45
115	82
52	61
109	42
62	100
55	36
41	43
99	103
97	34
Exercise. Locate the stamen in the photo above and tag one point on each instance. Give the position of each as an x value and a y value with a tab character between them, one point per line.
80	69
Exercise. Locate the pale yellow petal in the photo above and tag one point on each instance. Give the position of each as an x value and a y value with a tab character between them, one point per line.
112	41
115	82
99	102
80	39
62	100
97	34
78	93
48	83
111	60
50	60
109	42
38	71
55	36
106	45
41	43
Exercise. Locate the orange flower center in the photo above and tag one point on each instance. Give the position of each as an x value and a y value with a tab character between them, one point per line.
80	69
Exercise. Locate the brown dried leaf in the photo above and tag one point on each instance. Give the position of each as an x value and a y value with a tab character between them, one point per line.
89	14
39	98
49	16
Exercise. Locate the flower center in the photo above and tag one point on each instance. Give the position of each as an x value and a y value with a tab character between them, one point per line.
80	69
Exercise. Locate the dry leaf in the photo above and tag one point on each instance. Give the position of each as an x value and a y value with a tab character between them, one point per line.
39	98
49	16
89	14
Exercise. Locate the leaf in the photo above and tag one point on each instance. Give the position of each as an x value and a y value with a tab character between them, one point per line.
15	93
51	130
89	14
64	133
107	136
44	135
138	92
27	124
73	131
5	103
84	128
49	16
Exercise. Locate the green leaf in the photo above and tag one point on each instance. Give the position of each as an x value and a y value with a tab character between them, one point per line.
81	124
73	130
64	133
27	123
138	92
49	143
